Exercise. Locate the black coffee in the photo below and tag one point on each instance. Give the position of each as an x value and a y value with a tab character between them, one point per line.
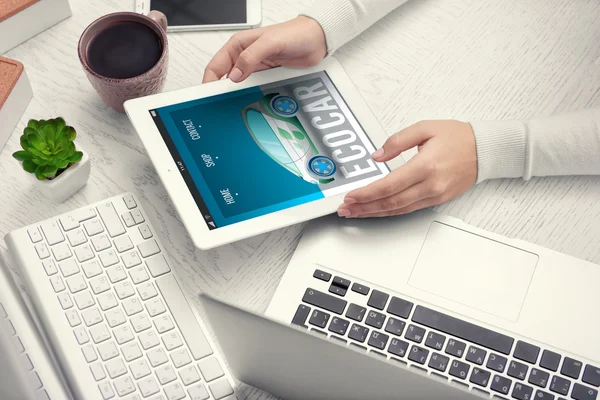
124	50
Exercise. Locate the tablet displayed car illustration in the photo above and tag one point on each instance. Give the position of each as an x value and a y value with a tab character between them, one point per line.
273	125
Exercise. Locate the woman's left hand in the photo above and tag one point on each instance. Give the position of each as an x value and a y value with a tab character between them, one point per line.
444	168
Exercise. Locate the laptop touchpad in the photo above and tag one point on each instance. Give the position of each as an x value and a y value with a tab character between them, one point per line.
474	271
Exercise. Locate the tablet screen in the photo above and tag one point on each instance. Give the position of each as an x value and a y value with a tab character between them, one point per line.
259	150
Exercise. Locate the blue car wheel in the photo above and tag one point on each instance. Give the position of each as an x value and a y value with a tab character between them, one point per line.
322	166
284	106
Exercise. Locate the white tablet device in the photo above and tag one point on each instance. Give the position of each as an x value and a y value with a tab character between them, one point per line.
204	15
240	159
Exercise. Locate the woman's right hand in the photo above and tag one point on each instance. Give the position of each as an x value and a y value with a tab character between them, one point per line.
297	43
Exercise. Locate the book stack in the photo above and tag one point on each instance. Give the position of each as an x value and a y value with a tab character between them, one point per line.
21	20
15	94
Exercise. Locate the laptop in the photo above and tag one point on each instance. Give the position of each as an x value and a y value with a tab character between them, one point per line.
501	317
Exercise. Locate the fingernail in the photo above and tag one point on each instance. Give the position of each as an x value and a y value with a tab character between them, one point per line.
349	200
343	212
235	75
378	153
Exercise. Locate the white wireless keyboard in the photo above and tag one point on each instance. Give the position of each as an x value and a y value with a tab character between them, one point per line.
113	309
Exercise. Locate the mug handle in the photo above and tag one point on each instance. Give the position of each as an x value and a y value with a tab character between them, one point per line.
159	18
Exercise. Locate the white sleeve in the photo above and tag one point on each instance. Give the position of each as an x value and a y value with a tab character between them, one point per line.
342	20
565	144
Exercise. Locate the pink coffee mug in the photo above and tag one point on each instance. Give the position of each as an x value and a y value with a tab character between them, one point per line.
114	92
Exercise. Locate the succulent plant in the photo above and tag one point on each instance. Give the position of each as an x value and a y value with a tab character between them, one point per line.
48	148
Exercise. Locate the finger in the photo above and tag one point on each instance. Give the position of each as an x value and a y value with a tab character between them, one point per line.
424	203
395	182
224	60
409	196
252	58
405	139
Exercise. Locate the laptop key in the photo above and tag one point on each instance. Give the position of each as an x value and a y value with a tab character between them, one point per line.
400	308
476	355
398	347
581	392
395	326
362	289
560	385
571	368
539	378
522	392
415	333
341	282
340	291
541	395
496	363
439	362
526	352
591	375
550	360
375	319
358	333
501	384
325	301
418	354
435	341
319	318
378	299
517	370
459	369
301	315
455	348
339	326
356	312
480	377
463	330
378	340
322	275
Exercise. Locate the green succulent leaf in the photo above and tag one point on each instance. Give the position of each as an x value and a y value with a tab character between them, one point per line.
39	173
50	171
22	155
70	132
29	166
76	157
33	124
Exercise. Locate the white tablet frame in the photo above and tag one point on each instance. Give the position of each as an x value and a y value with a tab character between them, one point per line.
138	111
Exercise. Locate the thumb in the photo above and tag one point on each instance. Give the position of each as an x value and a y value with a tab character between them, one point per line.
250	59
405	139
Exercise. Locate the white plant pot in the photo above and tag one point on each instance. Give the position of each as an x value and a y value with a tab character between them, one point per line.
69	182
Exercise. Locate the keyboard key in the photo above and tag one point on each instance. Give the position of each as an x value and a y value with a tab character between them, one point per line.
132	306
198	392
480	377
106	390
76	284
539	378
124	386
107	301
148	248
517	370
322	275
172	341
375	319
220	389
69	223
68	267
522	392
99	285
435	341
319	318
81	335
399	307
139	369
123	244
157	356
91	316
145	231
116	274
158	266
463	330
581	392
149	339
418	354
560	385
550	360
85	213
129	201
398	347
108	351
50	267
341	282
439	362
99	333
155	307
97	371
34	234
128	219
123	334
496	363
84	253
356	312
89	353
395	326
301	315
73	318
163	324
138	218
189	375
459	369
111	219
378	299
378	340
501	384
147	291
140	322
591	375
571	368
337	290
526	352
358	333
91	268
148	386
108	258
175	392
455	348
476	355
34	381
93	227
76	238
131	259
541	395
339	326
415	333
52	232
124	290
210	369
101	242
361	289
61	252
165	374
42	250
65	300
131	351
323	300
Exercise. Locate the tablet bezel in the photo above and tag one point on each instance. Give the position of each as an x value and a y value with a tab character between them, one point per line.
138	111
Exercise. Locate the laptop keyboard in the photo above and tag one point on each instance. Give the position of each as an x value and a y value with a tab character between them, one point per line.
449	348
25	361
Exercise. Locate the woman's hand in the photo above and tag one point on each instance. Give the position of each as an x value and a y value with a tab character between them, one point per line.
296	43
444	168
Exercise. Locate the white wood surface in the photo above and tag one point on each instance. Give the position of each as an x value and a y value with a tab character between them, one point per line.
463	59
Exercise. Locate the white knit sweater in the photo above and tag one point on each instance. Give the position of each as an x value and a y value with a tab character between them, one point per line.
567	144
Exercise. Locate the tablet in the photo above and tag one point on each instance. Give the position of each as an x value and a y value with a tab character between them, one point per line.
241	159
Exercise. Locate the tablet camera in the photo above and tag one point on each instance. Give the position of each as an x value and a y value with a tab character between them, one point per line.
322	166
284	106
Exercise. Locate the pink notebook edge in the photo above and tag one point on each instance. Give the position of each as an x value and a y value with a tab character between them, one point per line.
8	10
6	87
